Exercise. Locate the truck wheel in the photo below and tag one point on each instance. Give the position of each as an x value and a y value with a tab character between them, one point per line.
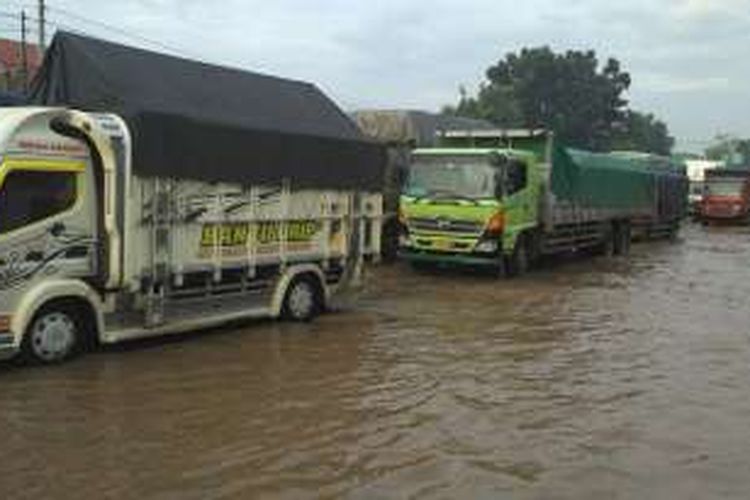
674	231
302	301
518	262
54	335
622	239
609	241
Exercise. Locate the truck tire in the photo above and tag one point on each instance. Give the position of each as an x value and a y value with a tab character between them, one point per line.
55	334
622	238
518	262
303	299
609	240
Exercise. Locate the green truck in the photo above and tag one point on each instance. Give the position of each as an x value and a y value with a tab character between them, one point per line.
501	199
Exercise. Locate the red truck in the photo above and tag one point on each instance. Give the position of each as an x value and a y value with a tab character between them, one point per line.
726	196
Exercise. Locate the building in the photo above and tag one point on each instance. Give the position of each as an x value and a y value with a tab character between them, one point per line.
11	64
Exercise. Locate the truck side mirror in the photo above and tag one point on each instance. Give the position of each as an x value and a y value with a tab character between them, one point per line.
500	164
516	176
498	160
499	188
403	176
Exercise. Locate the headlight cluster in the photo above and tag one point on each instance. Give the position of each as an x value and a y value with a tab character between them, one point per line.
486	246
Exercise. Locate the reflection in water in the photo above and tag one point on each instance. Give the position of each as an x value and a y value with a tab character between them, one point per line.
584	380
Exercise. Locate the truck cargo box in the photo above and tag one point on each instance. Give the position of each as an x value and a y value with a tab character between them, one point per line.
195	120
600	180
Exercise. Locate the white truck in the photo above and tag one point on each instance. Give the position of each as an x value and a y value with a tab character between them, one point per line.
97	247
696	169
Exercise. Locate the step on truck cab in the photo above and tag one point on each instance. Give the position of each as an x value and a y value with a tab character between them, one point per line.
115	227
500	199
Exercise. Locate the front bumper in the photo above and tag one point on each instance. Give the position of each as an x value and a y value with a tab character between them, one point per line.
462	259
724	215
8	347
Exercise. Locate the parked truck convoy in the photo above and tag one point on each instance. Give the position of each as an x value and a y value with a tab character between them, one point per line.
726	196
183	196
501	199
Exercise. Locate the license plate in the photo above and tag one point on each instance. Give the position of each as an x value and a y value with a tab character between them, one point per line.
443	244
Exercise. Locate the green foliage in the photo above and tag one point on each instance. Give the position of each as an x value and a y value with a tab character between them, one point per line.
731	150
494	103
570	93
643	132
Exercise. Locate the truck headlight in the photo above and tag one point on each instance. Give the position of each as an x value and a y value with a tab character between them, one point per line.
5	320
486	246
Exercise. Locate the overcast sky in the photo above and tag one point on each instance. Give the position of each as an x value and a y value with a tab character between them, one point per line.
689	59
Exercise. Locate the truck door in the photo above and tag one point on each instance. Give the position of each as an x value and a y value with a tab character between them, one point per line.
517	204
47	222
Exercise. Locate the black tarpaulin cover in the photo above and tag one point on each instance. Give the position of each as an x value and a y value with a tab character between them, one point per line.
196	120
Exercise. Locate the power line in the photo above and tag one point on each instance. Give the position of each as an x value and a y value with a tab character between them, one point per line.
15	22
19	6
16	16
123	32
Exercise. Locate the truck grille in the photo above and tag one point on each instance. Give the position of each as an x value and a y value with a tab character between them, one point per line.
719	209
445	225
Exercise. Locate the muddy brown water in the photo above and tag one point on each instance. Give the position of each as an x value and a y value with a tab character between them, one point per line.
590	379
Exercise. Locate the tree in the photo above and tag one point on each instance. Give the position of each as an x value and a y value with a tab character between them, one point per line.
643	132
495	103
569	93
733	151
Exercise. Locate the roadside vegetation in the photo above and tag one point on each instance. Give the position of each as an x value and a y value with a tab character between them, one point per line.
571	93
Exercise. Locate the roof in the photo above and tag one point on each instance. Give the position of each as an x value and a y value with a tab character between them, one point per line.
492	133
209	122
419	128
11	55
515	153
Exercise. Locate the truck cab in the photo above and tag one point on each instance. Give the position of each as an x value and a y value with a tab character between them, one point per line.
471	205
58	236
726	196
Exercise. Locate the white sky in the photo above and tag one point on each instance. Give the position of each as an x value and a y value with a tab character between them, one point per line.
688	59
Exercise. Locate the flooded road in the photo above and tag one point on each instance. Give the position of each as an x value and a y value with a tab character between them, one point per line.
590	379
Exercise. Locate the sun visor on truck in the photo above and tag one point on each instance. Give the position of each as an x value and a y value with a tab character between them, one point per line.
206	122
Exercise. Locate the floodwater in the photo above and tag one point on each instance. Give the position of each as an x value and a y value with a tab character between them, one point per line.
590	379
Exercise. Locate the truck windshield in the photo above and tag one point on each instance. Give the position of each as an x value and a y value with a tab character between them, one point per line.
462	177
724	187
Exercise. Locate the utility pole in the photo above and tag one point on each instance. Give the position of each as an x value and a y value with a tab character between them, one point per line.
24	60
42	22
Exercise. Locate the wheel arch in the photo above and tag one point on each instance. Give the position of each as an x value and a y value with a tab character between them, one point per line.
289	275
511	236
59	291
